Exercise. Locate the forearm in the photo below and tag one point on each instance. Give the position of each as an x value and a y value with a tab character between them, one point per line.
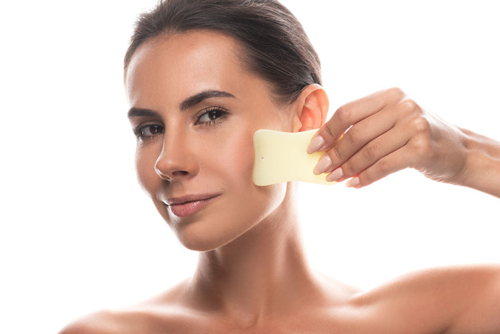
482	170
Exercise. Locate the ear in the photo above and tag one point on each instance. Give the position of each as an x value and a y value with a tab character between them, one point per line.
312	107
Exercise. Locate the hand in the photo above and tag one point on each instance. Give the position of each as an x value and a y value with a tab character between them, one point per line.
384	133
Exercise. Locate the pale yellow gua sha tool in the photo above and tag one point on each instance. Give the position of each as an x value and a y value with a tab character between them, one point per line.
282	157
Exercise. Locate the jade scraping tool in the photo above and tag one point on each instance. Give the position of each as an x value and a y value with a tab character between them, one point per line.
282	157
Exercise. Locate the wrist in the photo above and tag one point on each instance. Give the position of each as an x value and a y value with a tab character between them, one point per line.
482	168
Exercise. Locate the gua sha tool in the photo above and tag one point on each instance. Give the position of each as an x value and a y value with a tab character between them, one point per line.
282	157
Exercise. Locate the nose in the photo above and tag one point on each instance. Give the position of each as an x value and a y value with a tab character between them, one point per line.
177	160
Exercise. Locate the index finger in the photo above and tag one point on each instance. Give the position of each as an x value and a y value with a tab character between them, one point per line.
350	114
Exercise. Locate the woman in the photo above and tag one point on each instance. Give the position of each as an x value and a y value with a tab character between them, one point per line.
201	77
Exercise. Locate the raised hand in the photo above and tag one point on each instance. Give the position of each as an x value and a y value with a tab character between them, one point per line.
386	132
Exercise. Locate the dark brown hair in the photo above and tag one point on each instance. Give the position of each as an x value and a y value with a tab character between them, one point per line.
275	45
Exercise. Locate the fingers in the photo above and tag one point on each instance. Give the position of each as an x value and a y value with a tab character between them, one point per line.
373	152
359	137
373	137
350	114
408	144
396	161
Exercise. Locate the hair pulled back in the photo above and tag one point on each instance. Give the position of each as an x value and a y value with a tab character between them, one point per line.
275	45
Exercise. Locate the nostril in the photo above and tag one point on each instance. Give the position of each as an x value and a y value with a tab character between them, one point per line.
162	175
171	175
175	166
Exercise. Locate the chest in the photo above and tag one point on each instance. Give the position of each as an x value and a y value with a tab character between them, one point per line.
312	324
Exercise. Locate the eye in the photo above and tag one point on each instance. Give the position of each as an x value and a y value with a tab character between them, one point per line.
148	131
211	116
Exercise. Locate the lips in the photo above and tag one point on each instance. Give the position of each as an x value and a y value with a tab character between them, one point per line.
189	205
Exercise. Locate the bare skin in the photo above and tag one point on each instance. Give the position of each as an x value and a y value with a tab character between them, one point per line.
252	275
391	132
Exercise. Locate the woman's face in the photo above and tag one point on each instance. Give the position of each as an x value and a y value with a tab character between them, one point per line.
195	110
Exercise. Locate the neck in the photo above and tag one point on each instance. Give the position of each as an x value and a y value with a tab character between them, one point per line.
252	277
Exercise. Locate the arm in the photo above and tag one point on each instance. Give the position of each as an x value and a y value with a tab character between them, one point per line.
479	308
483	163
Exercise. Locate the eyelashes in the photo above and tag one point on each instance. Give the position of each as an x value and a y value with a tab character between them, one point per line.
149	131
209	117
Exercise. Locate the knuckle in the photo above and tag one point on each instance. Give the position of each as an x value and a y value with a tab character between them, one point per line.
335	154
384	166
328	133
355	135
409	107
344	114
422	147
370	152
381	169
395	93
421	125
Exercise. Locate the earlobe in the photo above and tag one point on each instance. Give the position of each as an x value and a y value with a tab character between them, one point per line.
312	107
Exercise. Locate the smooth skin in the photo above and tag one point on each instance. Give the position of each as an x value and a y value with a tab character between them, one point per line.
252	275
391	132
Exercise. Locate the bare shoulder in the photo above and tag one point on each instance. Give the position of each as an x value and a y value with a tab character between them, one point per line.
445	300
102	322
138	319
161	314
455	280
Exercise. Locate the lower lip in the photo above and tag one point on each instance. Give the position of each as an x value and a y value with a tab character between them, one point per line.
190	208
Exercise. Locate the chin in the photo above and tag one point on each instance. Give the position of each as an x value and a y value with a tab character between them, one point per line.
205	235
201	243
216	228
196	242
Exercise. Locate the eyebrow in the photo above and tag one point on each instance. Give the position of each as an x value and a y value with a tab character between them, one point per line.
186	104
138	112
200	97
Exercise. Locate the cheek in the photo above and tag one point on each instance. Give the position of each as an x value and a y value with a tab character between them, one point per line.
229	167
235	158
236	164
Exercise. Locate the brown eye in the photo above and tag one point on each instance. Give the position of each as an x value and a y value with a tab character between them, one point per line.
154	129
212	116
149	131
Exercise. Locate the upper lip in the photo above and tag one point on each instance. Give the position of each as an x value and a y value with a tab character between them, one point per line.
189	198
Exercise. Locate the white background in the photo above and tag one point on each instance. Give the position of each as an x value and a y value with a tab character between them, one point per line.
77	233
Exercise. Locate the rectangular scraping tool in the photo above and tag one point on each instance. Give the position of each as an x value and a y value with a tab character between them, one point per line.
282	157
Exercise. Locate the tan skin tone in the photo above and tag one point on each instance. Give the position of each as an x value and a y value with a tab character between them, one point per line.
252	276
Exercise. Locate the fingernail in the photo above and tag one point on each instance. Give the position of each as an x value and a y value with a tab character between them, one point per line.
335	175
315	144
353	182
323	164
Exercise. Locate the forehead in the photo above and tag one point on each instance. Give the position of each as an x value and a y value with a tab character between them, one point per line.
185	64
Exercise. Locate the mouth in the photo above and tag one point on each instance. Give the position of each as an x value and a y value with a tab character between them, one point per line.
188	205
